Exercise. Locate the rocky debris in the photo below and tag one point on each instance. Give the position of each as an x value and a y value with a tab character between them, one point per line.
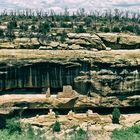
54	45
78	119
64	46
74	47
94	118
129	119
70	115
112	127
52	114
100	130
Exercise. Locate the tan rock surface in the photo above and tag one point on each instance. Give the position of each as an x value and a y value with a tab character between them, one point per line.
121	40
110	85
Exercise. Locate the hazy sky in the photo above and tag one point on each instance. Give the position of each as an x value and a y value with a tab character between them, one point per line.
72	5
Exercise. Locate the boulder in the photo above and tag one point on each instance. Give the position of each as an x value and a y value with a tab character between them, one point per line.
74	47
108	49
109	37
86	40
43	48
21	40
54	44
64	46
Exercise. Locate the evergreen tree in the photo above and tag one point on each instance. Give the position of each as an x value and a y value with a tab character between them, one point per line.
116	115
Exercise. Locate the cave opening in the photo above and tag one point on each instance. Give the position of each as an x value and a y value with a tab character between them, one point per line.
54	91
27	113
108	110
22	91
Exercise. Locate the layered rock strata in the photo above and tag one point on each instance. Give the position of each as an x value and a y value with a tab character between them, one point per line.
75	41
97	79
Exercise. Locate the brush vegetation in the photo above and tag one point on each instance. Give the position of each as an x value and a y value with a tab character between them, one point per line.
30	23
131	133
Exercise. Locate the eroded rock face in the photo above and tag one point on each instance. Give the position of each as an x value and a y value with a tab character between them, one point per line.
105	78
38	75
75	41
85	40
109	82
120	40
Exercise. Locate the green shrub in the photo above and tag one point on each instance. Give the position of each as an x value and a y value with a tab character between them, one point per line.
13	131
74	127
79	135
56	127
116	116
33	28
13	125
104	29
80	29
88	21
2	122
30	132
81	132
1	33
137	29
44	28
5	135
10	35
131	133
23	27
116	29
12	24
130	28
101	29
65	25
63	37
123	29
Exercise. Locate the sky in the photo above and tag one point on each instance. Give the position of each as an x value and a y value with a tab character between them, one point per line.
72	5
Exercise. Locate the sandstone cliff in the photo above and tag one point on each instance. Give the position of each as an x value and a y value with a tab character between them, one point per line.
100	79
74	41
